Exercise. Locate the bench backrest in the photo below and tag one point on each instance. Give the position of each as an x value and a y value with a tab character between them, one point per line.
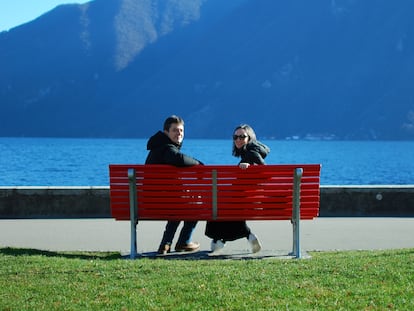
213	192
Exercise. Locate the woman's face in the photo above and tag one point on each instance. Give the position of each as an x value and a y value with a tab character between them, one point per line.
240	138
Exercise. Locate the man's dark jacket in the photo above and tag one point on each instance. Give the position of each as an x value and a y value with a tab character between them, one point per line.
164	151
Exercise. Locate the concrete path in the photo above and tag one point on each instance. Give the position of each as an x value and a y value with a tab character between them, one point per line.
321	234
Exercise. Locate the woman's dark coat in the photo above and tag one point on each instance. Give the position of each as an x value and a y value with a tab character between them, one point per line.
252	153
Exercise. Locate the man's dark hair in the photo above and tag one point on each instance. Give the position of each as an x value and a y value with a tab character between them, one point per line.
170	120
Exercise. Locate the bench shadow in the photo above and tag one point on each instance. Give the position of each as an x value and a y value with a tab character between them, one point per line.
207	255
8	251
199	255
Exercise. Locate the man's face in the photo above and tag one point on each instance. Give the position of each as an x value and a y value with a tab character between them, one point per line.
176	133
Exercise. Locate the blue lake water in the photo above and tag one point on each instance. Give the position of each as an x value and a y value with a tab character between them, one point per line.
84	162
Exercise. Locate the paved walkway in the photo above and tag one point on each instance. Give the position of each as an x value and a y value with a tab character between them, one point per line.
321	234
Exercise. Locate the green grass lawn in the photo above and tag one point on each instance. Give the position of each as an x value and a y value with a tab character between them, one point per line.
349	280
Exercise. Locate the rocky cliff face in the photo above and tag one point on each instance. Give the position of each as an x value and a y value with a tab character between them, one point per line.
297	69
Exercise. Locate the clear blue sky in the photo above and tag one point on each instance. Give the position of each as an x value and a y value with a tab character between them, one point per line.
16	12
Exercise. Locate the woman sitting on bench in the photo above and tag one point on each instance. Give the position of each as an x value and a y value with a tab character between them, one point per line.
251	152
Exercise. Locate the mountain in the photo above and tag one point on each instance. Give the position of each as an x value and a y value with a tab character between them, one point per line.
339	69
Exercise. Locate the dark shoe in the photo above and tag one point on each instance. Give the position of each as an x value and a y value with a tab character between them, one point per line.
164	249
189	247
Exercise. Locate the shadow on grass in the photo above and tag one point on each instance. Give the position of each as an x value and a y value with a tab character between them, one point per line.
206	255
200	255
8	251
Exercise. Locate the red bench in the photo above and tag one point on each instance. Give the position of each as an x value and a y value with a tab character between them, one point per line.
215	192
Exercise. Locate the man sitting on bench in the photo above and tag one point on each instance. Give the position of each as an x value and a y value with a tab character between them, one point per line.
164	148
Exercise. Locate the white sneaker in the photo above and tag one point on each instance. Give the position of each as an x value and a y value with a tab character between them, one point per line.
216	246
254	243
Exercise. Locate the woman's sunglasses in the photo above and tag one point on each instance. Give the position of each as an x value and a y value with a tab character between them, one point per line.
235	137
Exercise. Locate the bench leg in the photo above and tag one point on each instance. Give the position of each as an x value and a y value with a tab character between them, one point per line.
296	239
296	213
133	240
132	212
